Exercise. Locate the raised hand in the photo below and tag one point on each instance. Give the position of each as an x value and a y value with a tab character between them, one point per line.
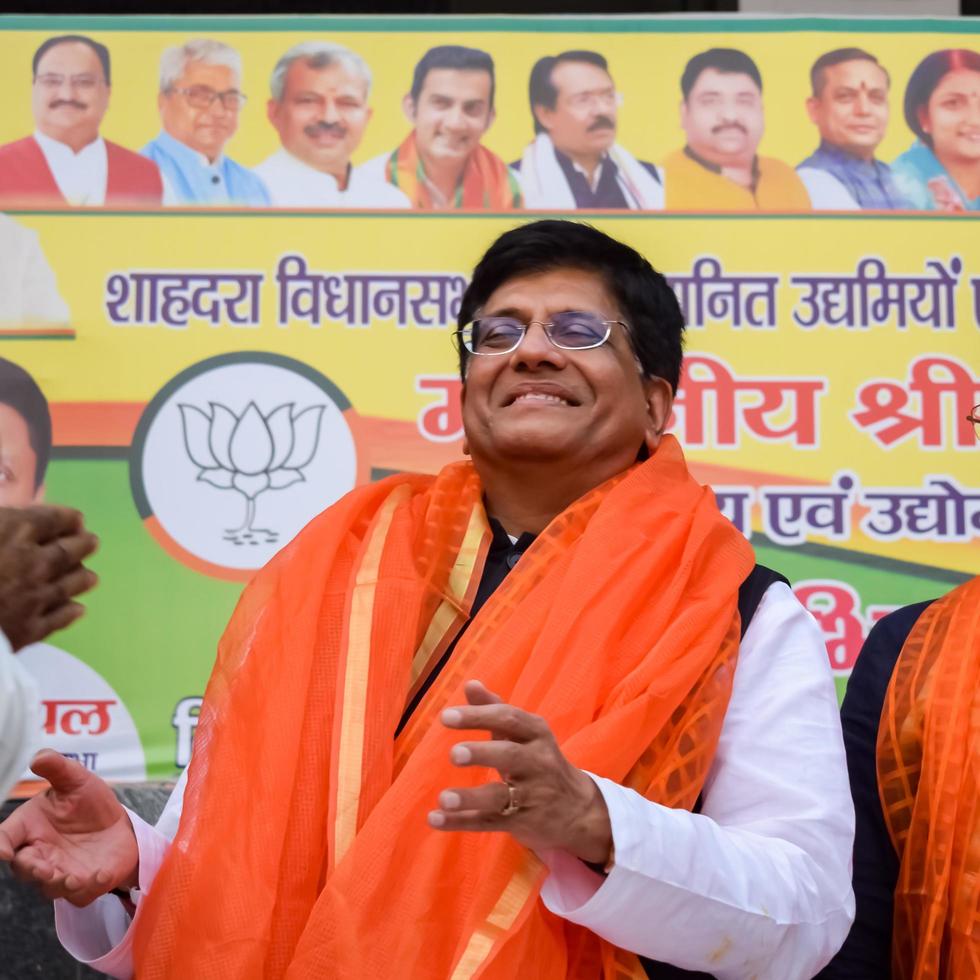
541	798
74	840
41	571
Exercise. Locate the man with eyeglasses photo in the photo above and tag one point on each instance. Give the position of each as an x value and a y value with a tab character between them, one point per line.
539	715
910	718
66	162
319	107
200	100
574	160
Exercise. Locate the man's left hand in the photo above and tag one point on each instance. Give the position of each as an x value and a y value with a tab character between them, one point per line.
557	805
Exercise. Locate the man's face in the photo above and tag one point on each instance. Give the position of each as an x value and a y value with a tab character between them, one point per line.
722	117
70	94
204	128
322	116
583	121
586	408
18	462
451	114
851	111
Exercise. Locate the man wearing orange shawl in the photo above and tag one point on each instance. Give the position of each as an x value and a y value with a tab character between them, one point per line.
441	163
912	734
646	779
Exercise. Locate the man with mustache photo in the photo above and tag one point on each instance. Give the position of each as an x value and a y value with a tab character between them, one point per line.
199	101
849	107
574	160
65	161
720	169
442	164
319	108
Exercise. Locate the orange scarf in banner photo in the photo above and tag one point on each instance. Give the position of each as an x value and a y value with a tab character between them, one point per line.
304	851
929	782
487	182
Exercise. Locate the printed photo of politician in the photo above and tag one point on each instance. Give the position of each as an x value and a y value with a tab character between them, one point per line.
941	170
719	168
574	160
849	105
442	163
199	102
318	105
66	162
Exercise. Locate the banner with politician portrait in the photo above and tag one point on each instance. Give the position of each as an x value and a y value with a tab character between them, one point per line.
233	251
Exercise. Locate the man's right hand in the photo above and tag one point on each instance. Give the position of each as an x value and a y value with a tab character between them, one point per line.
74	840
41	571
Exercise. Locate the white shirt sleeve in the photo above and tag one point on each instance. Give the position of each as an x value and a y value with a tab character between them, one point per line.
19	717
99	935
759	883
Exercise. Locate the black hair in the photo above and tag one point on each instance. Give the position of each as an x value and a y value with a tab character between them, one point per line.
818	75
929	72
101	51
20	392
729	61
656	324
542	90
456	58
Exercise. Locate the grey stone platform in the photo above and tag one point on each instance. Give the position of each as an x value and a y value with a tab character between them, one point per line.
28	944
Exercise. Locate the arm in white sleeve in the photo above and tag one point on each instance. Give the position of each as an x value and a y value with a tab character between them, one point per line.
759	883
19	717
99	935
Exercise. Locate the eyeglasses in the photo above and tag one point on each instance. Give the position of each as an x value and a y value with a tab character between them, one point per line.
203	96
974	417
569	330
52	81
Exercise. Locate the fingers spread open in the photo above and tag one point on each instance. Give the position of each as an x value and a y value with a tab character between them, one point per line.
478	693
490	798
504	720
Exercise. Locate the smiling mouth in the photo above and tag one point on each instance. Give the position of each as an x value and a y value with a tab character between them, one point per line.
541	398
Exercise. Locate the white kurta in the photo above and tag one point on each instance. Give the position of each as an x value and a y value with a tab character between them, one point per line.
294	184
81	177
756	885
28	291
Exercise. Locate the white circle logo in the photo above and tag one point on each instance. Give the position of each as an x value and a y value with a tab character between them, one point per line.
235	455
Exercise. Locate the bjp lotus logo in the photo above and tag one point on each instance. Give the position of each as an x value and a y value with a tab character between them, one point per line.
251	453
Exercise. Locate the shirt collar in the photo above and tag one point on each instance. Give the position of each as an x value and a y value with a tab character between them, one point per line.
186	154
49	145
502	540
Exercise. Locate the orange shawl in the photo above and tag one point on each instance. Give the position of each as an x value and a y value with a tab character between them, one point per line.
929	782
303	850
487	182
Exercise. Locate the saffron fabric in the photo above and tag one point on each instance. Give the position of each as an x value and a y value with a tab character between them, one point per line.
486	184
633	675
928	777
763	870
694	185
